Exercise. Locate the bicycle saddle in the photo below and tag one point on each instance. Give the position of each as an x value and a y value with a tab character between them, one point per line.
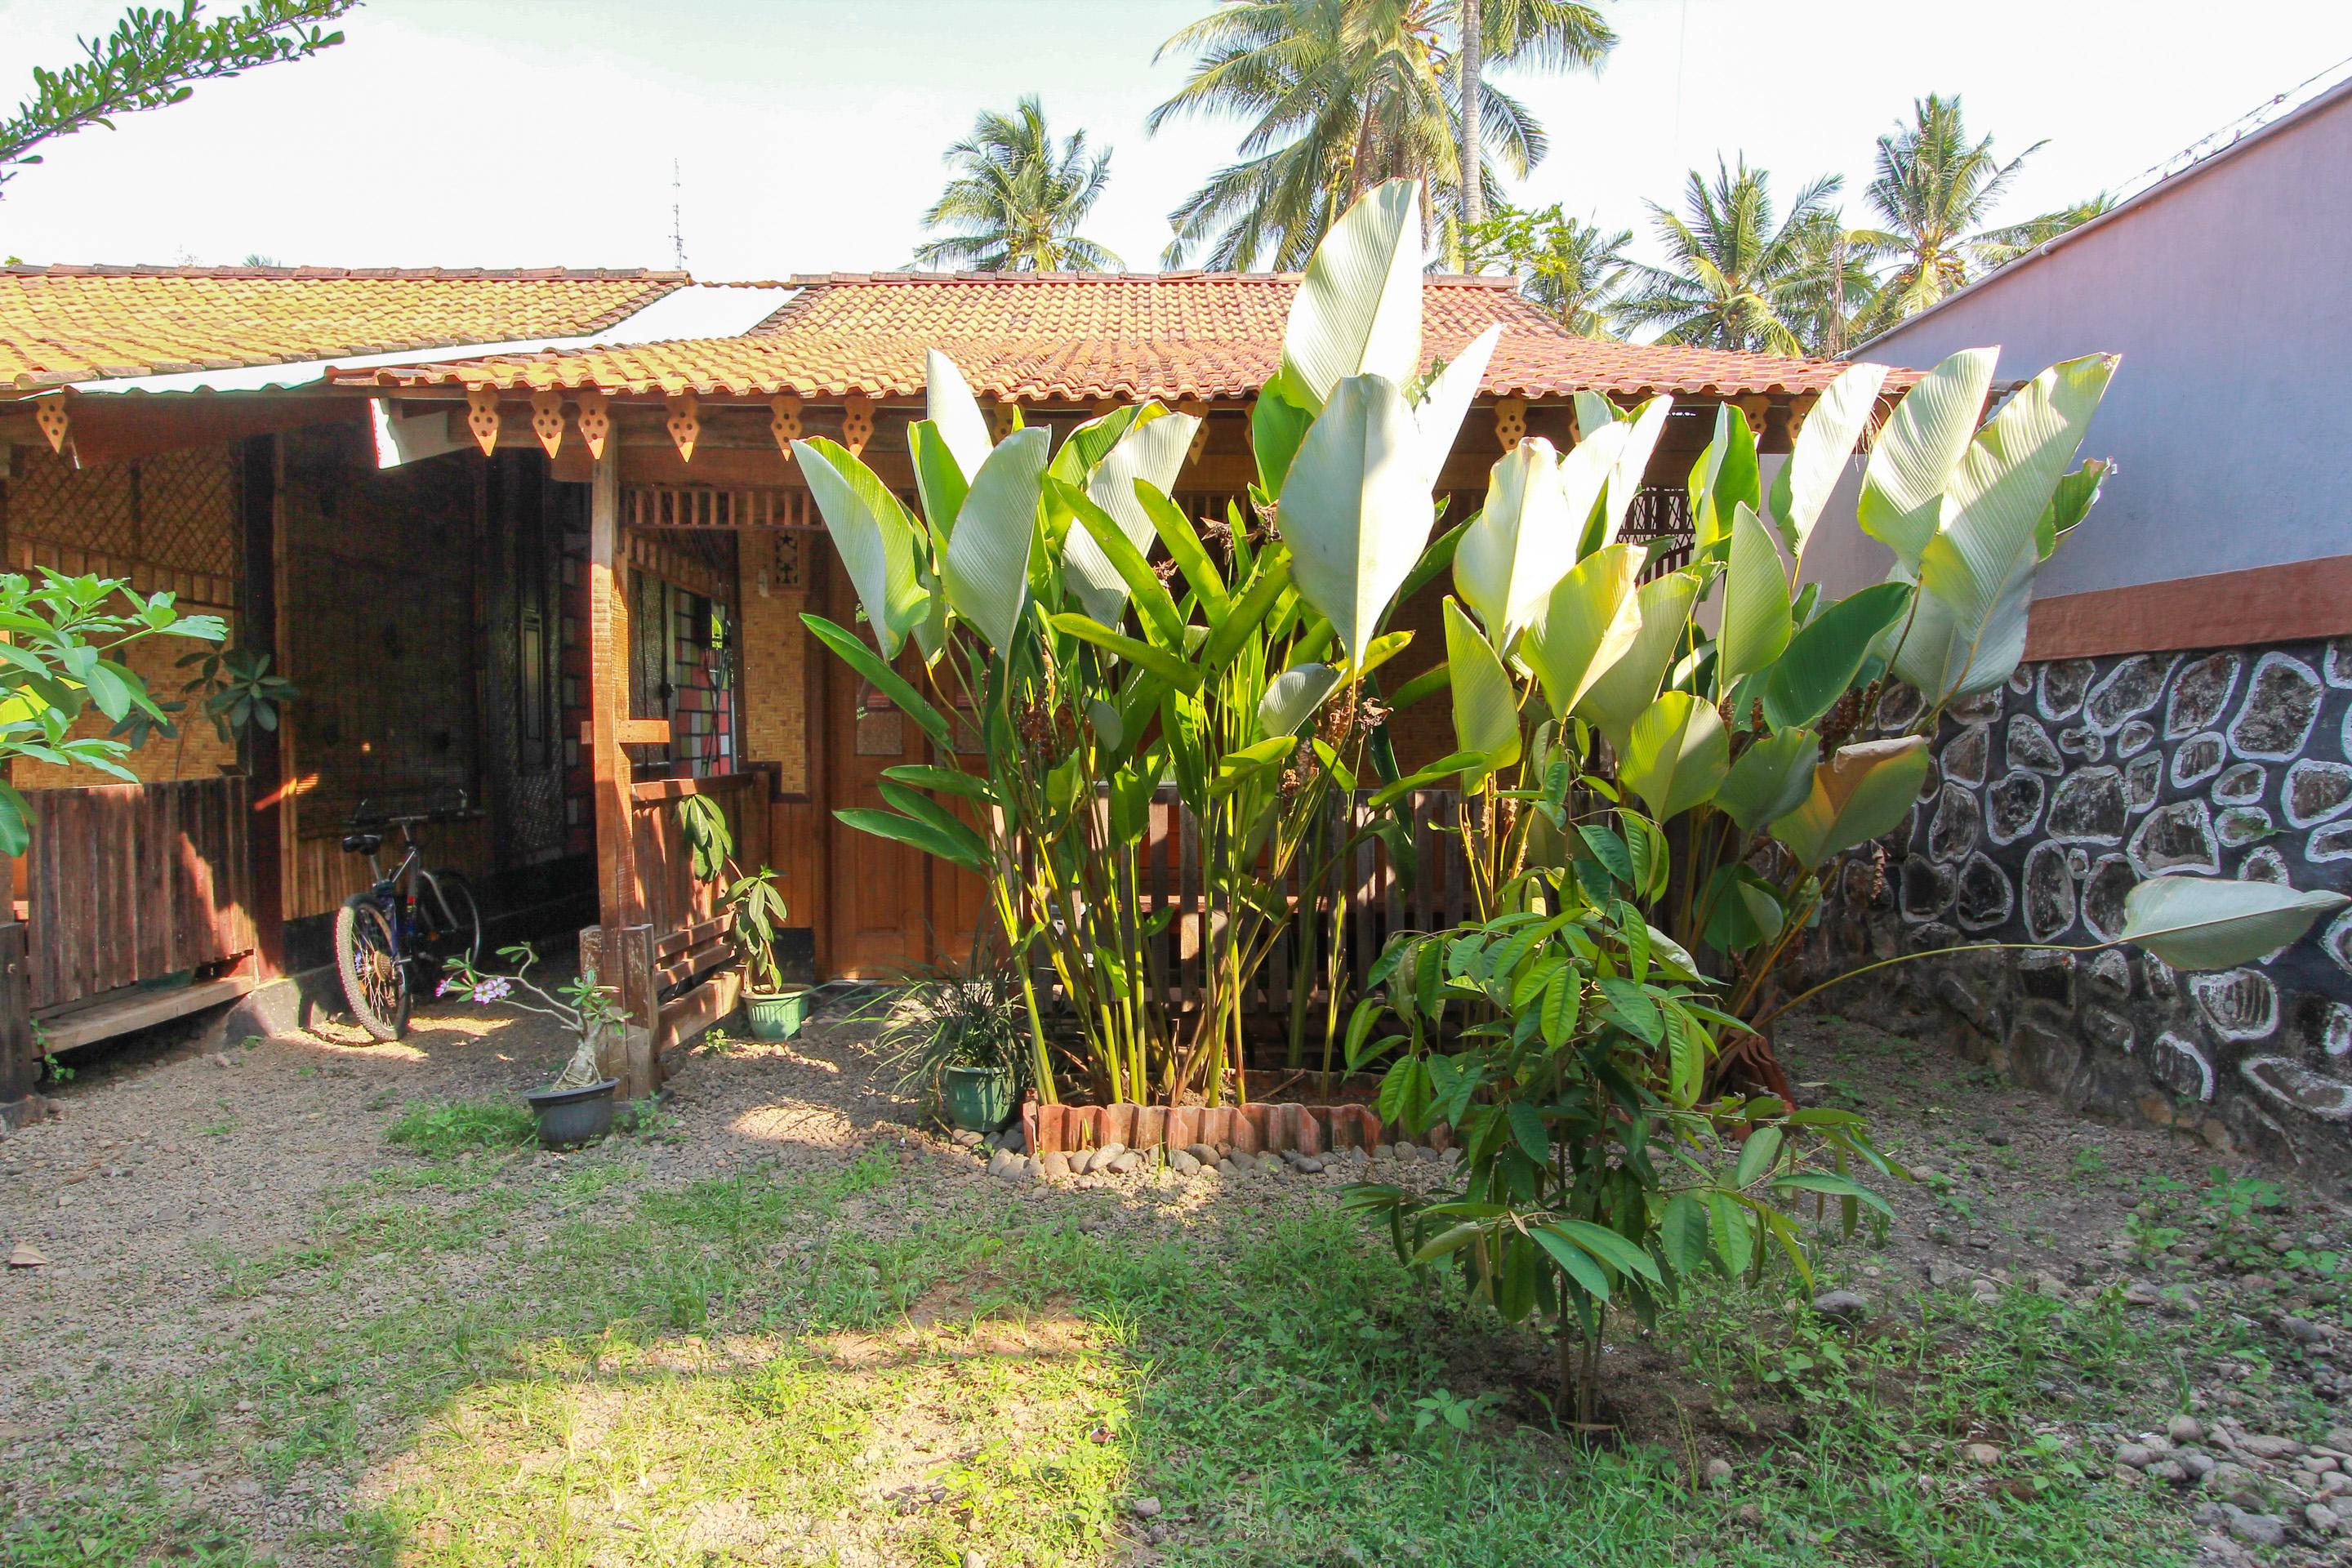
362	843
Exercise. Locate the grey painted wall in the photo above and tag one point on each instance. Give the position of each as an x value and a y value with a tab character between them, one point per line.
2229	293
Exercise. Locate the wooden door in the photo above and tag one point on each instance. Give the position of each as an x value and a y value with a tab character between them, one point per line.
881	888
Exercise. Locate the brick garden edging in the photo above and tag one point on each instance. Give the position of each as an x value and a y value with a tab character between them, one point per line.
1256	1128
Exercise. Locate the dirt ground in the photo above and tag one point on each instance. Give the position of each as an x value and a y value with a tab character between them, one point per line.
164	1171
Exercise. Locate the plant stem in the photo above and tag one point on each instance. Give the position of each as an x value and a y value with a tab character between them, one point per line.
1934	953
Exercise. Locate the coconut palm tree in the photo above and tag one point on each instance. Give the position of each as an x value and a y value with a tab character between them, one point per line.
1559	34
1736	279
1933	192
1572	270
1017	198
1340	95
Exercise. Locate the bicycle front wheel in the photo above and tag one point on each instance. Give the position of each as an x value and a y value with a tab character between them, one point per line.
367	957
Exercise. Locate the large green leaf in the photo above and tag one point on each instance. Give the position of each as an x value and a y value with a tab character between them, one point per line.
1520	545
1676	755
1827	653
873	534
1358	309
1486	706
1725	479
1625	689
938	483
950	408
966	850
852	651
1772	778
1184	547
2196	923
1113	550
2004	487
1142	655
1948	656
1357	510
1447	399
1292	697
986	568
1755	605
1857	794
1587	622
1903	488
1819	456
1151	451
1629	464
1279	421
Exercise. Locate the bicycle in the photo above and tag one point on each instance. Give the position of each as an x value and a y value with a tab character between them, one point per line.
408	917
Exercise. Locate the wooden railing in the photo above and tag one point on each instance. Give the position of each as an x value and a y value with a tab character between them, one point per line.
132	882
689	928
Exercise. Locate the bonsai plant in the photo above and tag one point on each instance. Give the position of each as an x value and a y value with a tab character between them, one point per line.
960	1036
576	1105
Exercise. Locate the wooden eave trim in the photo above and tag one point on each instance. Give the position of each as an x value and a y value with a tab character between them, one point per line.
2295	602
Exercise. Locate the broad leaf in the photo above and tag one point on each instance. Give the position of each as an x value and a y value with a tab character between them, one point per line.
1676	755
2004	485
1444	402
1756	608
1827	653
2195	923
1772	778
1725	479
1183	677
986	568
1520	544
950	408
1358	309
1151	451
1486	705
965	851
1629	464
938	483
1903	488
1948	656
1587	624
874	534
1292	697
1818	455
1857	794
1625	689
1357	510
901	692
1184	547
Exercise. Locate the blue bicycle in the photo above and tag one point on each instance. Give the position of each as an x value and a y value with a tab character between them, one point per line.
410	919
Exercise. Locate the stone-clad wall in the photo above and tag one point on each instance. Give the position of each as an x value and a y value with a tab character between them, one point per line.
2048	801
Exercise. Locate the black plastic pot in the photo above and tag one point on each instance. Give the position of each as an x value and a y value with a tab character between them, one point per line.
570	1116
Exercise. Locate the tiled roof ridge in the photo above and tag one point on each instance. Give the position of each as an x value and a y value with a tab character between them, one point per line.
1000	279
351	274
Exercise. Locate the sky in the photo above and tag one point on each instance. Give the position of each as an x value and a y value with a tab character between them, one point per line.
808	134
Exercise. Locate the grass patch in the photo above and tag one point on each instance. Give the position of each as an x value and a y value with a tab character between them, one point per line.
441	1131
856	1360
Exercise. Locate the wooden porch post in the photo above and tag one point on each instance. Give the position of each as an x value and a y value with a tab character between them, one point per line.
624	941
267	756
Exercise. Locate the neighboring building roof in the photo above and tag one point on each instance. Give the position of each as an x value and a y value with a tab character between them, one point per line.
60	325
1077	337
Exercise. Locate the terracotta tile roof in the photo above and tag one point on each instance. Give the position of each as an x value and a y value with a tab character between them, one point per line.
1076	337
60	324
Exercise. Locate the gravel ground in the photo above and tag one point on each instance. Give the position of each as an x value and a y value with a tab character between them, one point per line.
162	1175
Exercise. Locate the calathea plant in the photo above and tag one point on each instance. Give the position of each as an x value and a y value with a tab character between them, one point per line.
1658	775
1242	674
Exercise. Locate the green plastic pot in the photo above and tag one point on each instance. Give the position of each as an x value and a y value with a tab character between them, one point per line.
775	1015
979	1099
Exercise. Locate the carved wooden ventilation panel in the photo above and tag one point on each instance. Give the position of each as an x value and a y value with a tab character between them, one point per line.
784	423
595	419
547	420
857	422
482	417
1510	421
1198	410
685	425
708	507
49	413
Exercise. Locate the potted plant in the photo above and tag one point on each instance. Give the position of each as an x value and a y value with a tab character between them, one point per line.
771	1009
961	1037
576	1105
